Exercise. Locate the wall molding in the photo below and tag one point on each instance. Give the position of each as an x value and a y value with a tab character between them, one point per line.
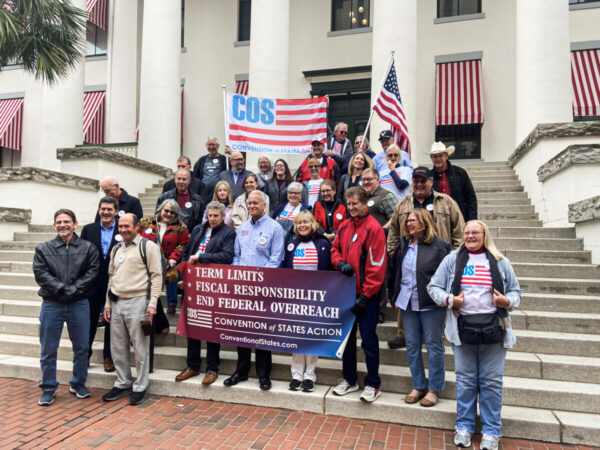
573	154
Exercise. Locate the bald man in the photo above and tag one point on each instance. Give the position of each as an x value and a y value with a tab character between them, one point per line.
127	203
236	174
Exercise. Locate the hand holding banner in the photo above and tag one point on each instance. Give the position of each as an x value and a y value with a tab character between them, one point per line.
280	310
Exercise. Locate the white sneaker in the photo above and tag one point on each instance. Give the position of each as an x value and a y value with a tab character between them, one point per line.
489	442
370	394
462	438
344	388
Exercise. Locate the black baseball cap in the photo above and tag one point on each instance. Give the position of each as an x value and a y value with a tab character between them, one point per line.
385	134
316	141
422	171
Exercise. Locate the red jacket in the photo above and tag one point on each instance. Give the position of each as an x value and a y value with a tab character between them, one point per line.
339	215
366	252
328	170
174	240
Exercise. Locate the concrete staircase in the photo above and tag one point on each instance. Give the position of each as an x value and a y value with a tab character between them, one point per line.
552	376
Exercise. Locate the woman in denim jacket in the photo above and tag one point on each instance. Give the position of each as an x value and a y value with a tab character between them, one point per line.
486	286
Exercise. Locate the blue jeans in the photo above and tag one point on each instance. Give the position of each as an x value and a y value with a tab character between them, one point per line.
367	325
429	324
52	318
171	289
479	370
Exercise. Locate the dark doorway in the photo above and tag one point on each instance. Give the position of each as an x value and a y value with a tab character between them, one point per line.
466	139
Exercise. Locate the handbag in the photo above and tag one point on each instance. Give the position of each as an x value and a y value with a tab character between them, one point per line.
477	329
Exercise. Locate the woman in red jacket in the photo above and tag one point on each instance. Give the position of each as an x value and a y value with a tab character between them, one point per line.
172	235
329	212
359	248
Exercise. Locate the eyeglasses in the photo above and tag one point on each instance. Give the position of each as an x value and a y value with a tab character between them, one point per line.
394	155
342	132
326	191
237	159
314	167
367	180
419	181
170	212
472	233
293	193
411	220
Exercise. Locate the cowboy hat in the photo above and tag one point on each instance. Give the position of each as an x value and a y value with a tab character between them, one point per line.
439	147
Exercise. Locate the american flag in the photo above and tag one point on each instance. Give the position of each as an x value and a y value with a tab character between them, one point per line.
203	244
478	275
389	107
305	257
275	125
241	87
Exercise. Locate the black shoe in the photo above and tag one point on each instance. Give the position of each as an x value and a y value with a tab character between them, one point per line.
137	398
265	384
295	385
308	386
116	393
397	342
235	379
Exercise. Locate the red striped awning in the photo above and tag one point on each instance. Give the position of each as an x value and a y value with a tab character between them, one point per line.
585	74
458	93
11	123
241	87
97	12
137	129
93	117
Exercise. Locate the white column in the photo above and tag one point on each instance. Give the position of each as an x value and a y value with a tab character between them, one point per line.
543	67
160	99
269	54
395	28
60	118
121	89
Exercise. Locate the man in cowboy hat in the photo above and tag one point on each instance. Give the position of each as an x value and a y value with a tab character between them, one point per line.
453	180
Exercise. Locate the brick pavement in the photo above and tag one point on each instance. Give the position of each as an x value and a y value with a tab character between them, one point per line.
169	423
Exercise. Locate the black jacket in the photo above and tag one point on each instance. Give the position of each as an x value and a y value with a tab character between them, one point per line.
219	249
196	211
65	272
461	190
91	233
196	186
429	257
127	204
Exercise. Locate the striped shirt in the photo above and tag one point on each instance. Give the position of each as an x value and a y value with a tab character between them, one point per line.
305	256
204	242
476	284
289	212
314	189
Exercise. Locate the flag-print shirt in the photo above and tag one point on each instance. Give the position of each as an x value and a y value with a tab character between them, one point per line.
314	189
204	242
305	256
476	284
290	212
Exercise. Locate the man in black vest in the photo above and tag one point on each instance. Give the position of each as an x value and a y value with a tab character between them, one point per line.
381	202
104	235
196	186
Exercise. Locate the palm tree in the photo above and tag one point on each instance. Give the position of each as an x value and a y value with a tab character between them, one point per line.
46	36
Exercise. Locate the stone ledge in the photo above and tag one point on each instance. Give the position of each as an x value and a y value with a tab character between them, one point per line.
585	210
573	154
48	176
19	215
116	157
553	130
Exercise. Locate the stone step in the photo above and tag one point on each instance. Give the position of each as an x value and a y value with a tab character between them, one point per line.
18	245
500	175
568	286
536	232
49	228
19	267
490	173
522	422
581	304
153	190
483	209
563	270
549	256
507	223
17	279
16	255
501	195
556	343
34	237
505	201
506	215
148	197
507	190
20	292
493	182
528	243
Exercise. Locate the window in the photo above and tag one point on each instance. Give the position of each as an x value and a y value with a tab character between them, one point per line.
244	9
95	40
451	8
575	2
349	14
182	22
466	139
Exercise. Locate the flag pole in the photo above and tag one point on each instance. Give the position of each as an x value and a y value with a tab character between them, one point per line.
224	89
389	64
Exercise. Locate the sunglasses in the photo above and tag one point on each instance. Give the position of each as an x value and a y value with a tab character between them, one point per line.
394	155
170	212
343	132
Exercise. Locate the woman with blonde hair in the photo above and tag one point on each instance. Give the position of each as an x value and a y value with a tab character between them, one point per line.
359	162
477	285
306	250
415	260
222	194
240	212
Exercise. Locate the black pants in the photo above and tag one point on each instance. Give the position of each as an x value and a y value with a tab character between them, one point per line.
263	362
213	360
96	307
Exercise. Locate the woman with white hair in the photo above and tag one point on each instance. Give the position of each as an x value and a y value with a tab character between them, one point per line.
286	213
478	286
265	172
395	177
